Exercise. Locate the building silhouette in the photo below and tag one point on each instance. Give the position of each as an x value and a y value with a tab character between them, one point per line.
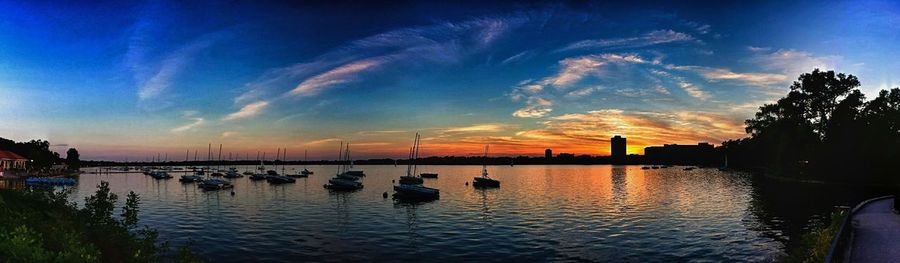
565	156
701	154
617	145
548	154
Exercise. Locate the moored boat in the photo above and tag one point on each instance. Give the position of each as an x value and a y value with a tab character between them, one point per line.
343	179
233	173
190	178
485	181
280	179
410	186
415	191
215	184
429	175
160	174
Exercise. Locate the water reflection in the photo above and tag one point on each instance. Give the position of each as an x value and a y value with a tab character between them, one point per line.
542	213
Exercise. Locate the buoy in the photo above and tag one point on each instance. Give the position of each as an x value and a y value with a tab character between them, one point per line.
232	193
392	181
384	195
467	183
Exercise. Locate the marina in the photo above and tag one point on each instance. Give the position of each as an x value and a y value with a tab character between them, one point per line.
706	214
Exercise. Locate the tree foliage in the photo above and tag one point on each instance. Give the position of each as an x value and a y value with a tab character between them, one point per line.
41	225
73	159
823	129
36	150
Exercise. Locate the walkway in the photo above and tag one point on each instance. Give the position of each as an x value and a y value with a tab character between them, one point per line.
876	233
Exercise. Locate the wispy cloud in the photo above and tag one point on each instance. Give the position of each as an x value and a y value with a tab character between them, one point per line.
442	43
195	121
693	90
758	49
229	134
155	76
248	110
536	107
584	91
719	74
339	75
651	38
517	57
367	133
322	141
793	62
574	69
486	127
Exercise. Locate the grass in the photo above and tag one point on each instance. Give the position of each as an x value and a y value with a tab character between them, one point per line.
816	243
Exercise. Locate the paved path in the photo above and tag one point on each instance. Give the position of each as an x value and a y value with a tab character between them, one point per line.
876	233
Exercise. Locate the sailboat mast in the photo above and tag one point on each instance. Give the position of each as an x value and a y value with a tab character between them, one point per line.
410	163
283	156
219	163
340	157
416	157
349	161
484	163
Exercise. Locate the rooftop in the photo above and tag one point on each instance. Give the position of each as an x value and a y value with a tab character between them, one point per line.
7	155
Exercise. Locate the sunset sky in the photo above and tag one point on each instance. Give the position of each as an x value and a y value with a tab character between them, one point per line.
127	79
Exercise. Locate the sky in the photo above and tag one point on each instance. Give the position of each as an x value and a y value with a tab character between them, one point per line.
129	79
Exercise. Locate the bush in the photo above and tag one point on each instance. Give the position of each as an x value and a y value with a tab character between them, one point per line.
41	225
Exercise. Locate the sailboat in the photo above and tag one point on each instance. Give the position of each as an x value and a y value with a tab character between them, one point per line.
261	170
193	178
410	177
305	172
484	180
218	171
281	179
342	180
414	189
160	174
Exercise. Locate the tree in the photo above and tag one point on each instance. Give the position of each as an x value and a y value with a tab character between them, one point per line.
73	159
822	125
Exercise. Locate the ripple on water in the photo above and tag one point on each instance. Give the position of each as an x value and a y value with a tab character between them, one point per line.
542	213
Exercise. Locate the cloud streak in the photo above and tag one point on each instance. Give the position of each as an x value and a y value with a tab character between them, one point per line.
649	39
336	76
194	123
442	43
247	111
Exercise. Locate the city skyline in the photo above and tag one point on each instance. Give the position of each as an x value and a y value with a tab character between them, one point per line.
163	77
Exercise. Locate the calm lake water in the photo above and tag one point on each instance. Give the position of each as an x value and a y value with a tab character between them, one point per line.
541	213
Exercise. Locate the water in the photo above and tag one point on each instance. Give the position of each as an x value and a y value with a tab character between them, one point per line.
541	213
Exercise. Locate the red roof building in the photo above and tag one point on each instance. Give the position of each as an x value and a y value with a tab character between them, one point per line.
10	160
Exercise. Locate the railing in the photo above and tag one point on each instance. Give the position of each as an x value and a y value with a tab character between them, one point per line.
840	245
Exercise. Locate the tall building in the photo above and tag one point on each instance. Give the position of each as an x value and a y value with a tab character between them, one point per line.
617	144
548	154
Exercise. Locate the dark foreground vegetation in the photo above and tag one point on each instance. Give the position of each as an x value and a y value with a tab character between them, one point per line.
41	225
825	130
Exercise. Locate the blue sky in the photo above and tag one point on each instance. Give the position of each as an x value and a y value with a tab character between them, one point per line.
131	79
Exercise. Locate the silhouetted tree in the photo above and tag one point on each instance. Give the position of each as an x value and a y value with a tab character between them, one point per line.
823	129
73	159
